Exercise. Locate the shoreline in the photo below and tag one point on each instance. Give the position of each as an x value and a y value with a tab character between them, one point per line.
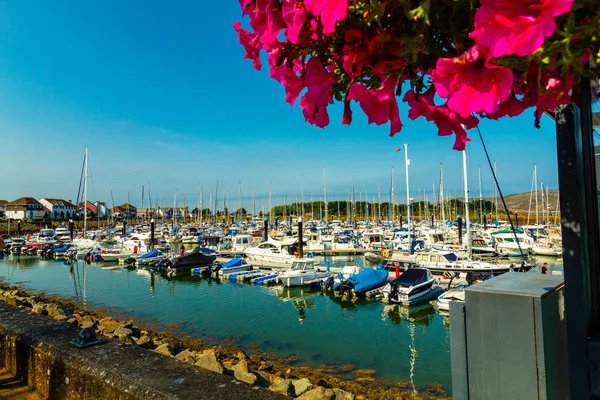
250	364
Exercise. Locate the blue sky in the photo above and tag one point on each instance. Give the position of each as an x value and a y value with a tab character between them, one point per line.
161	94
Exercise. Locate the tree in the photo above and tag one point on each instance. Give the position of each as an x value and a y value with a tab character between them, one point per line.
483	59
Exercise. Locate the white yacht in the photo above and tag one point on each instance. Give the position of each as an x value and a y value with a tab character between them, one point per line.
303	272
372	240
506	245
241	242
273	253
412	287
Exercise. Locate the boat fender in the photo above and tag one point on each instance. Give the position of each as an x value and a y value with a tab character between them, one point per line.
384	253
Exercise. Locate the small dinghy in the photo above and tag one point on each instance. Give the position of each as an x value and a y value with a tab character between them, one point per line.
373	257
232	266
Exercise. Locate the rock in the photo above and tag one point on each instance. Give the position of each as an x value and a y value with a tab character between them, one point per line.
241	372
60	318
241	355
87	324
208	360
122	333
283	387
186	356
108	329
13	301
73	321
107	321
319	393
165	349
264	378
343	395
302	386
40	309
54	310
128	324
145	342
86	319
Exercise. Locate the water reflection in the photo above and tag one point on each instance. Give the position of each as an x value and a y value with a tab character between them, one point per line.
301	298
415	316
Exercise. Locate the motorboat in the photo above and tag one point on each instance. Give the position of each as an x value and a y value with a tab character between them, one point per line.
232	266
373	257
342	242
455	294
367	279
480	246
507	245
303	272
438	262
241	242
546	249
273	253
372	240
46	236
192	259
413	286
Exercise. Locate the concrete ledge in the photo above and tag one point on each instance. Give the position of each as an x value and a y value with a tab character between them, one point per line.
36	349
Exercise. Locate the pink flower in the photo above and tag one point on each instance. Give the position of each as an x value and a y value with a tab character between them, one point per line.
472	84
555	92
251	44
516	26
347	118
354	55
267	22
314	114
330	11
288	77
447	121
379	105
294	16
319	82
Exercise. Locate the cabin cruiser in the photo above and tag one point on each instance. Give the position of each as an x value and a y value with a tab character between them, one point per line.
241	242
273	253
342	242
455	294
372	240
46	236
412	287
547	248
232	266
505	244
303	272
439	262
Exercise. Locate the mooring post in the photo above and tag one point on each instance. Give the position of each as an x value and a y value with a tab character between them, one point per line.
71	228
152	233
300	239
19	228
516	220
459	218
432	221
484	221
400	220
266	230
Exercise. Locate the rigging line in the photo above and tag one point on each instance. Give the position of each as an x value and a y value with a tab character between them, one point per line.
80	183
500	191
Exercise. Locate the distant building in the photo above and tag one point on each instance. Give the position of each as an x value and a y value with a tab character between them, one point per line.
124	210
89	208
169	212
25	208
103	211
58	208
3	203
146	212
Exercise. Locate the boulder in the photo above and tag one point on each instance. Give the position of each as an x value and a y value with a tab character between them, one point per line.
145	342
263	378
107	321
302	386
54	310
108	329
284	387
61	318
122	333
165	349
319	393
208	360
343	395
241	372
86	319
73	320
13	301
186	356
40	309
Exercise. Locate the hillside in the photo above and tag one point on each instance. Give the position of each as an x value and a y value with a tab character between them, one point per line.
519	202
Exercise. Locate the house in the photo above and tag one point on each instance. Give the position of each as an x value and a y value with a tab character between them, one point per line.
124	210
25	208
103	211
169	212
58	208
2	206
89	208
146	212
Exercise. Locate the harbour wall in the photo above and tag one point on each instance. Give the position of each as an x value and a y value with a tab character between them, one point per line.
36	349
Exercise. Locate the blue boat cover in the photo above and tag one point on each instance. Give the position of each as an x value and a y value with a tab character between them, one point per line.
150	254
367	279
207	250
235	262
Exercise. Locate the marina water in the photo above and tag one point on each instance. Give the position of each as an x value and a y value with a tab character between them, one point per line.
399	343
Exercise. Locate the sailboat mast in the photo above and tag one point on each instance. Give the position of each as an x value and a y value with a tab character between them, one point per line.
85	177
496	192
480	200
407	164
378	202
442	193
302	195
392	198
325	192
253	203
467	219
537	221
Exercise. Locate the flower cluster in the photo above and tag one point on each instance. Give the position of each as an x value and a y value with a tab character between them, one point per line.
476	59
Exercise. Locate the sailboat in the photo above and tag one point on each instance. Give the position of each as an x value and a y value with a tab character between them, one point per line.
83	242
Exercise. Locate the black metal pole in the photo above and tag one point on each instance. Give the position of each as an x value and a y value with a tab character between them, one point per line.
152	233
300	239
400	220
484	221
19	228
124	228
516	220
71	228
577	181
266	229
432	221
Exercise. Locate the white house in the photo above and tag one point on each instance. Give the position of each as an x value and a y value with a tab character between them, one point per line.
58	208
25	208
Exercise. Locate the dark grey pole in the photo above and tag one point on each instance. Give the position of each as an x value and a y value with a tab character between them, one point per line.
152	233
459	218
300	239
266	229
